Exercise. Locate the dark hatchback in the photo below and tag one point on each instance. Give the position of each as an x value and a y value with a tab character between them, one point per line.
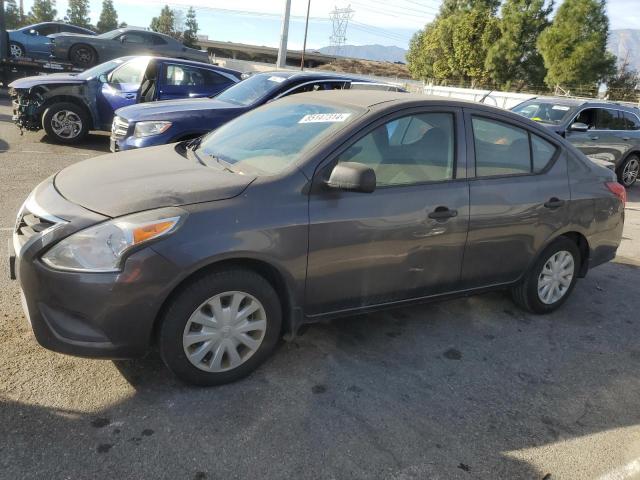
167	122
315	206
604	131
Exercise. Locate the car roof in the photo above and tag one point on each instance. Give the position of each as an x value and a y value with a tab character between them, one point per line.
370	98
585	101
315	75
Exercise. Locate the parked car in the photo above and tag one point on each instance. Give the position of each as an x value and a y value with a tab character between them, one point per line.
148	125
314	206
605	131
86	51
32	41
67	106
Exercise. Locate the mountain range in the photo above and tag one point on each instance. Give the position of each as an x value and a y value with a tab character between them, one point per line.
624	43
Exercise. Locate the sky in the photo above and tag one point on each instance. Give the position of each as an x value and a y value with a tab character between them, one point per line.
258	22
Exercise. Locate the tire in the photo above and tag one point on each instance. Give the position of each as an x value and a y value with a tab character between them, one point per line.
65	122
527	294
629	171
83	56
16	50
197	360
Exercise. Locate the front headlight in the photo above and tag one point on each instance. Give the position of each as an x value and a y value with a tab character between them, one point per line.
146	129
103	247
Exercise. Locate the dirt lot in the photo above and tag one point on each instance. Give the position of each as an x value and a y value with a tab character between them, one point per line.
470	388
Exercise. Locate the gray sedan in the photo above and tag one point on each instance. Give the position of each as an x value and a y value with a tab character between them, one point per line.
315	206
86	51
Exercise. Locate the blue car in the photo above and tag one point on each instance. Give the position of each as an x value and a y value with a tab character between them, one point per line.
167	122
67	106
32	42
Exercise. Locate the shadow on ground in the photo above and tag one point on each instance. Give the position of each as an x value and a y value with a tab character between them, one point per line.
435	391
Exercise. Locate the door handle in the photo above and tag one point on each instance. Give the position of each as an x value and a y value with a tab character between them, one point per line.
442	213
130	96
553	203
626	139
594	137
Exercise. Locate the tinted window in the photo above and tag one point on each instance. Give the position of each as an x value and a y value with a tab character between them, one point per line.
157	40
606	119
545	112
269	139
137	38
501	149
72	29
317	86
630	121
409	150
542	152
252	89
588	117
191	76
45	30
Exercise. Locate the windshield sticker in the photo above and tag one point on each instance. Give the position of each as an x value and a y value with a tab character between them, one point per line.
276	79
560	107
324	117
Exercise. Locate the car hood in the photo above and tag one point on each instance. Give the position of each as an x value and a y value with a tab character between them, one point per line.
160	110
53	79
136	180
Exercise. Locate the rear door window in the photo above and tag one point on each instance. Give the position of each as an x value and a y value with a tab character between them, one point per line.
606	119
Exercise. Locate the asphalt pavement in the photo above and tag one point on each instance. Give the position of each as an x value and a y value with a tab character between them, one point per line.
472	388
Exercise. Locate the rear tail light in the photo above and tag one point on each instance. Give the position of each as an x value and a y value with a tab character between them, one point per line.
618	190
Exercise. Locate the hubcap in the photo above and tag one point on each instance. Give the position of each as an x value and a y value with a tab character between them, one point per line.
630	172
224	331
15	50
66	124
83	55
555	277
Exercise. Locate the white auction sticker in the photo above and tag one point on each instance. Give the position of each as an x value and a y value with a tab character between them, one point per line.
276	79
324	117
560	107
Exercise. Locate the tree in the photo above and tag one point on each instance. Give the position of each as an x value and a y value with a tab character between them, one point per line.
190	34
625	84
574	47
108	17
12	14
78	13
42	11
513	60
165	23
454	46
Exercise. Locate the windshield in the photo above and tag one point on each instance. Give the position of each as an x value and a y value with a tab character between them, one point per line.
544	112
269	139
252	89
98	70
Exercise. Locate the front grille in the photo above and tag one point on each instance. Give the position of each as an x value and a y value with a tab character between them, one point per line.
119	128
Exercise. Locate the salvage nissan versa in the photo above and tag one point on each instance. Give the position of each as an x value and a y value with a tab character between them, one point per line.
314	206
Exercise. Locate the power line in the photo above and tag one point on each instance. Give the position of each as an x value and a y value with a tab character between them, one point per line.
340	18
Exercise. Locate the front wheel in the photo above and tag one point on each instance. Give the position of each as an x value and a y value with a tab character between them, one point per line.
629	171
550	281
65	122
220	327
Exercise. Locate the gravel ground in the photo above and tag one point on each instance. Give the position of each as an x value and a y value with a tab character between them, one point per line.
469	388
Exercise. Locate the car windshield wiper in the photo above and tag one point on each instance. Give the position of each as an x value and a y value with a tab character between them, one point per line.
224	164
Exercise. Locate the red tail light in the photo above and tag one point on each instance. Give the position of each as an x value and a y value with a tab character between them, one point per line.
618	190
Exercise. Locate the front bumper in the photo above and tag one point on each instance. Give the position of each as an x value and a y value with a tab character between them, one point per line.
98	315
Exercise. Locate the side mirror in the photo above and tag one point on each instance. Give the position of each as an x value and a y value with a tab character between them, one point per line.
123	38
103	78
353	177
33	32
579	127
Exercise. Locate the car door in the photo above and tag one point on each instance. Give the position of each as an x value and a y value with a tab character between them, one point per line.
631	135
404	240
519	196
121	89
186	81
135	43
604	139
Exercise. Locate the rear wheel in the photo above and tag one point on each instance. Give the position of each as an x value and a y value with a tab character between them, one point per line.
551	279
629	170
65	122
83	56
16	50
220	327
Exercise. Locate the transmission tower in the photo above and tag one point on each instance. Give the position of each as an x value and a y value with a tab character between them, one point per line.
340	18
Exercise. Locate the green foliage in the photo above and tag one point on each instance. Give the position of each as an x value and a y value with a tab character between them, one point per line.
190	34
11	15
78	13
165	23
574	46
624	85
513	61
108	17
42	11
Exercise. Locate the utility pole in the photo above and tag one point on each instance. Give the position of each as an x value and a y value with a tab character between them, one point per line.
340	18
282	51
306	28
